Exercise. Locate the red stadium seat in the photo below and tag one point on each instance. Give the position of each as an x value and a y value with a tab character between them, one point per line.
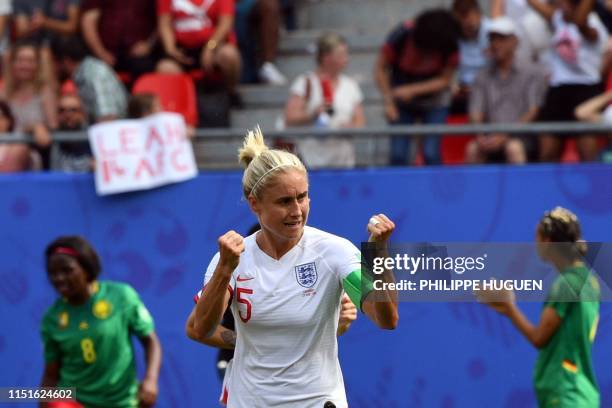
176	93
570	151
124	77
453	147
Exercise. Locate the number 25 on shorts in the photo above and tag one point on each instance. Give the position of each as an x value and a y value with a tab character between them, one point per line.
241	299
89	353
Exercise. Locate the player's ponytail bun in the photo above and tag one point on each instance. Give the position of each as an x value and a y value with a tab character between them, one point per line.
261	162
253	146
561	225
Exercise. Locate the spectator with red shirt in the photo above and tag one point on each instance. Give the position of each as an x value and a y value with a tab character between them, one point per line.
199	34
122	33
414	72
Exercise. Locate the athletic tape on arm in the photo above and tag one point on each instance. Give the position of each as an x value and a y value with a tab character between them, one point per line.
357	287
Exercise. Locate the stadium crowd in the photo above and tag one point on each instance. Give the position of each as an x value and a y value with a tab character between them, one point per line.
70	63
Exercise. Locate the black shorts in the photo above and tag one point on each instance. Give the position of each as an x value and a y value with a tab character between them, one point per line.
562	100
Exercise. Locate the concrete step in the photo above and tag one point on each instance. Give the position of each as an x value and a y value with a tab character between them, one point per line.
268	96
304	41
373	151
368	15
361	66
267	117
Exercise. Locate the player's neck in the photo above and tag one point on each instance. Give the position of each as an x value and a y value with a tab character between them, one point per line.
82	298
563	263
275	246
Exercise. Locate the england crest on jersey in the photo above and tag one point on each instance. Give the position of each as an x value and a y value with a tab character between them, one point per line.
306	274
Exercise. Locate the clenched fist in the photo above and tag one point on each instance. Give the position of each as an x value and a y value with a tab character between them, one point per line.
380	228
348	314
231	245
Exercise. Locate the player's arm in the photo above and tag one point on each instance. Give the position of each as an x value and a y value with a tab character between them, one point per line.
147	393
381	306
50	377
503	302
215	296
222	337
538	335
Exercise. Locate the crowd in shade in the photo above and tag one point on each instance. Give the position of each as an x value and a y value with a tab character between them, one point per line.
67	64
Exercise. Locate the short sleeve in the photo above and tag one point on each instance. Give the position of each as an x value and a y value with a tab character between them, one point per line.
394	43
346	260
561	297
140	321
602	33
345	257
299	86
50	345
227	8
477	95
357	92
109	92
535	93
164	7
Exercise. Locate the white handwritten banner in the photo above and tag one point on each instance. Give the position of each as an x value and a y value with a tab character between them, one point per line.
140	154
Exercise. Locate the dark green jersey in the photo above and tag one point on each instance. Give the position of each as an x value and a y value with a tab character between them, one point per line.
564	375
92	344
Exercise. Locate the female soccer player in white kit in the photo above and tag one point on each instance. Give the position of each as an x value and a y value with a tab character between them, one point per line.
284	285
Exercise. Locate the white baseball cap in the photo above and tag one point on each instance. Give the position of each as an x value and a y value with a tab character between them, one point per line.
502	25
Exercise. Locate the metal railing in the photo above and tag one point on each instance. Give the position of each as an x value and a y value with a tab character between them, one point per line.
372	136
408	131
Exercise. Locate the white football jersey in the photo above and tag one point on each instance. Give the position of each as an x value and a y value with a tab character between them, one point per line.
286	314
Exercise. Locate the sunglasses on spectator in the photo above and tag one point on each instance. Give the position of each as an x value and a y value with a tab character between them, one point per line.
63	109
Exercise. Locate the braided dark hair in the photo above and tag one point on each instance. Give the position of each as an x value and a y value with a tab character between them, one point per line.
87	256
562	225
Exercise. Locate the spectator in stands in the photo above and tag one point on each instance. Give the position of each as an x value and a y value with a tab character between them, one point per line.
259	19
122	33
603	8
414	72
503	93
71	156
533	33
146	104
326	98
45	19
576	57
99	88
143	104
598	110
31	98
199	34
14	157
473	45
